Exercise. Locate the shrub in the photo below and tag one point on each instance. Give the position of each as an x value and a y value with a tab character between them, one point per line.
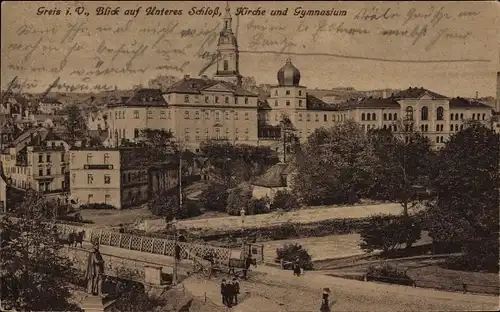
388	274
285	200
239	198
97	206
478	256
74	219
214	198
388	233
258	206
290	252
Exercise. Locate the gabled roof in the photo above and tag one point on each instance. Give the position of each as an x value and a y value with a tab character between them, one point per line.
313	103
459	102
371	102
26	135
274	176
416	93
143	97
51	136
198	85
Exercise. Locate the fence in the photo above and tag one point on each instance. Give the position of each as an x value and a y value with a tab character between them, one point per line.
152	245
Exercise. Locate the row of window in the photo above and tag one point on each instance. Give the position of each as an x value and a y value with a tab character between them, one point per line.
218	134
287	103
48	158
456	127
90	179
287	92
187	115
440	139
216	99
49	171
90	158
163	114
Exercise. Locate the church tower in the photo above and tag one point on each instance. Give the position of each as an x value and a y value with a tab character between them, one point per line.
227	53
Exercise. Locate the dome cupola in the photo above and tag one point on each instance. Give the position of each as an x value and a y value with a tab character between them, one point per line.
288	75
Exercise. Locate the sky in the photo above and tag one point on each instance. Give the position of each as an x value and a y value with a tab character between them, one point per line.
449	47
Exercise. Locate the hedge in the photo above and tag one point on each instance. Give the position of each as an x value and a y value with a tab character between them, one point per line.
97	206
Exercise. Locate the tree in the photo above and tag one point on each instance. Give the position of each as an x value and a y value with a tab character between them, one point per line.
239	198
35	275
402	164
284	200
388	233
74	124
466	180
334	166
214	197
232	164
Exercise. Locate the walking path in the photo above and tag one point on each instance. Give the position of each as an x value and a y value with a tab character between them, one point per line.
272	289
309	215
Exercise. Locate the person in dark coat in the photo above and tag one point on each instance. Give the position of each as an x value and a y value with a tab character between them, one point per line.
248	262
236	291
325	305
223	292
296	267
230	293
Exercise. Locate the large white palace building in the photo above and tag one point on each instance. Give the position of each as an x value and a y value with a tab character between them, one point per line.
197	109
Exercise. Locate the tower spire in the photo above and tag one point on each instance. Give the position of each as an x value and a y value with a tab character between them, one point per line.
227	17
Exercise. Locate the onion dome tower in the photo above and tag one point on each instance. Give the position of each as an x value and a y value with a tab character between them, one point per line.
288	75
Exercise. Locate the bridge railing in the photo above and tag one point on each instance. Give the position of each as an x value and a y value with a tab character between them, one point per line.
152	245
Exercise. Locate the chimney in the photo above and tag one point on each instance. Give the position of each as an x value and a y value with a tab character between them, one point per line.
477	95
187	77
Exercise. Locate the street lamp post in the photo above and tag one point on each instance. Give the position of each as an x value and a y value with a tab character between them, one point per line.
174	274
242	214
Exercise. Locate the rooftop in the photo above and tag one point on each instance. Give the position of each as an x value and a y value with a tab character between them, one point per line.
143	97
416	93
274	176
198	85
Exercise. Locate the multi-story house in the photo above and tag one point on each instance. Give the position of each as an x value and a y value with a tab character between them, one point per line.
40	164
122	177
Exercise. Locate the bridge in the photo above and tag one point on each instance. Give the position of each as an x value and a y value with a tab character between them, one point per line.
270	289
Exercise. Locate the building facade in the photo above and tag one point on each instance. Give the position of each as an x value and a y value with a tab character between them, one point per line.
200	109
40	164
121	177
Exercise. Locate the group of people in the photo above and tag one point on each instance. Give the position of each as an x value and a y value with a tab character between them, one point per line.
229	291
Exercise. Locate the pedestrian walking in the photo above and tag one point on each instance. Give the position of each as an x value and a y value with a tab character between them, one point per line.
236	291
325	305
223	292
296	267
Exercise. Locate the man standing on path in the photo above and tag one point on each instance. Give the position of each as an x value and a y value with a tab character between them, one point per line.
248	262
236	291
223	292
